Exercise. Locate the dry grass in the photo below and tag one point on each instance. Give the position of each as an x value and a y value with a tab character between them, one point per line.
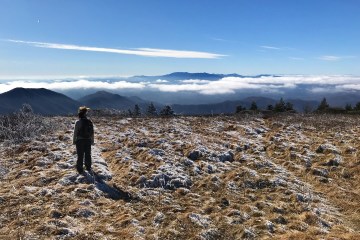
264	189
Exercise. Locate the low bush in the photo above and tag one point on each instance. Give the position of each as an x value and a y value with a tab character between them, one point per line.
24	125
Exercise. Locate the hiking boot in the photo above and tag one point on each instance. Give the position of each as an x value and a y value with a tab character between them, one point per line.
80	171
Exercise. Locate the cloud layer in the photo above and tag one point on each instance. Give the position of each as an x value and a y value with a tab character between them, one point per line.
145	52
226	85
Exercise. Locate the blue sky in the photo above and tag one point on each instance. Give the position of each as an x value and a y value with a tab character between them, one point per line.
133	37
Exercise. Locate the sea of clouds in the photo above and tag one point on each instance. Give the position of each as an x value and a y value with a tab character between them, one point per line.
227	85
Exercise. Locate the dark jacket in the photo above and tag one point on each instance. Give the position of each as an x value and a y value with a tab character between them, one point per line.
77	128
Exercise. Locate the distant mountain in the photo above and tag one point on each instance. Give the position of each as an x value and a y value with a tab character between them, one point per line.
227	107
202	76
43	101
103	99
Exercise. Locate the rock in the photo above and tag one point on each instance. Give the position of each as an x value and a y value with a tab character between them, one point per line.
55	214
210	234
248	233
321	172
301	198
196	170
224	203
157	152
280	220
327	148
188	162
159	218
194	155
211	169
199	220
334	162
323	180
85	213
270	226
65	232
227	157
142	144
279	210
239	149
169	177
260	130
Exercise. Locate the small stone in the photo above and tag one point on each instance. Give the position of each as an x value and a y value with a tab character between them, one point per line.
321	172
248	234
270	226
280	220
194	155
224	203
55	214
227	157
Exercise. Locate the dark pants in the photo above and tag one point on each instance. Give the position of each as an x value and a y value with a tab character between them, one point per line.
83	146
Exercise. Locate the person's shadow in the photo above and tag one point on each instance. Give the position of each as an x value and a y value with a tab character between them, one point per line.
112	192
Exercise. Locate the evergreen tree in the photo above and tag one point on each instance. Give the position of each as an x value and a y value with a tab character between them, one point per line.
348	107
253	106
280	106
240	109
137	111
323	105
289	106
167	111
270	107
151	111
357	106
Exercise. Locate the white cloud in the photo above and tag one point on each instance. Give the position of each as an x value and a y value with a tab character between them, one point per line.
334	58
161	81
228	85
146	52
67	85
270	47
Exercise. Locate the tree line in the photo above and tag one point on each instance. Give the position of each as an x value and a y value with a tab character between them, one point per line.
151	111
282	106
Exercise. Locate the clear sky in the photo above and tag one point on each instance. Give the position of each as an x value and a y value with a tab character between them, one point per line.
150	37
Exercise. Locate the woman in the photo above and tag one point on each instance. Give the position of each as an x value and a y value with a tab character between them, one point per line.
83	138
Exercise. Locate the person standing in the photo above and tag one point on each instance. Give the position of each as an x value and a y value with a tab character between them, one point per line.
83	139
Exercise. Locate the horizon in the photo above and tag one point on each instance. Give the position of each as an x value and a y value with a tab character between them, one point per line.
127	38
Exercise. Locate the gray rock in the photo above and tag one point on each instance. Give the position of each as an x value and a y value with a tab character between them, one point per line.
188	162
321	172
334	162
270	226
280	220
227	157
194	155
248	233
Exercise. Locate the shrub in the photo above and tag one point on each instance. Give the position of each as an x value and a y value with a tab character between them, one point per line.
24	125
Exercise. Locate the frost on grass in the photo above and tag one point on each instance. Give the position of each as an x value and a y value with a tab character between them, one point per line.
185	178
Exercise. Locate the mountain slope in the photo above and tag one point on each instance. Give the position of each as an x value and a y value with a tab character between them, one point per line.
103	99
43	101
